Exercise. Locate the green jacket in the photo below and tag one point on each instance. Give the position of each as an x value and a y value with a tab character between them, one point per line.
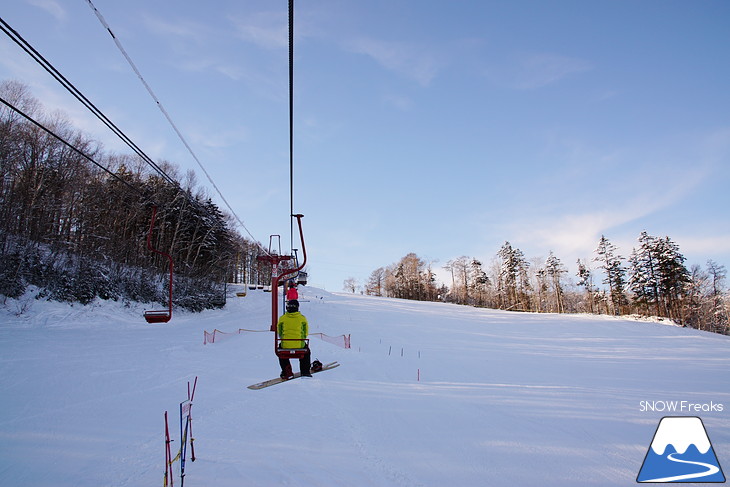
293	326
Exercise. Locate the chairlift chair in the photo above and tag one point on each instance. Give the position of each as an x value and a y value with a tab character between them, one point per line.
282	352
159	316
275	260
302	278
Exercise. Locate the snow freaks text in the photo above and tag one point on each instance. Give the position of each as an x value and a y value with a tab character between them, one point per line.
681	407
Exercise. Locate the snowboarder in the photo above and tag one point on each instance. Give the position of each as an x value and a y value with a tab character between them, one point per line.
293	328
292	292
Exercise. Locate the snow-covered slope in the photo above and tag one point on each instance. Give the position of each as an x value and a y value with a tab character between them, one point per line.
429	394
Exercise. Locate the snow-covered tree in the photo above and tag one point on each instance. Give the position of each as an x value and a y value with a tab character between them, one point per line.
611	263
659	278
554	269
480	283
585	279
514	285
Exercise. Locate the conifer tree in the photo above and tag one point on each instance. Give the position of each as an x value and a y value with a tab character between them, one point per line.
480	282
615	273
659	278
586	280
514	284
674	277
554	269
644	279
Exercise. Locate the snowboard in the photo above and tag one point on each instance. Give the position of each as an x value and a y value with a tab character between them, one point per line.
279	380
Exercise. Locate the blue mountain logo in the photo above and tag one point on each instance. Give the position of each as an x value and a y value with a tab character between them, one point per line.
680	452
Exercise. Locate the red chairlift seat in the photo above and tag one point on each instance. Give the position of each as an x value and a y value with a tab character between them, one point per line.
157	316
164	315
282	352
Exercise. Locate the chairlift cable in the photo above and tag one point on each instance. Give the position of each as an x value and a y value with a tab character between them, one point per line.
291	123
71	88
167	116
45	64
70	146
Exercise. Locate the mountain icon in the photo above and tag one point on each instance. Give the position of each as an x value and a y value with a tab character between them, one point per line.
680	452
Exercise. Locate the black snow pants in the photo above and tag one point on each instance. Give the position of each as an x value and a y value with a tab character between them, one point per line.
305	364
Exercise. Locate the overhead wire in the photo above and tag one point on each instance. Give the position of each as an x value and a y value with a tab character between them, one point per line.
167	116
291	124
69	145
71	88
45	64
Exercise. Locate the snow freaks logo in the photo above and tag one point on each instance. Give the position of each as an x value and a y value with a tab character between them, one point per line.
680	452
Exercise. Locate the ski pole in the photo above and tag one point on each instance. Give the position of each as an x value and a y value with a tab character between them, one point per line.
168	455
190	418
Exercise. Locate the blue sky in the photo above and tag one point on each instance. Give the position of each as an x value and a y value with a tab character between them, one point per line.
440	128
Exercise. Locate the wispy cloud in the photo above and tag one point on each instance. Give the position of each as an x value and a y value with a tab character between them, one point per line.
536	70
193	45
219	139
576	234
543	69
705	245
407	59
52	7
264	29
581	204
400	102
177	28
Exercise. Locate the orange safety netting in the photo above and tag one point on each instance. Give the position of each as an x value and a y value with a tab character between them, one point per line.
342	341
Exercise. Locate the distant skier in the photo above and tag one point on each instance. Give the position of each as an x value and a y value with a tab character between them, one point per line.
293	328
292	292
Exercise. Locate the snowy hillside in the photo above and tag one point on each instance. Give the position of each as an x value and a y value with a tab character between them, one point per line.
430	394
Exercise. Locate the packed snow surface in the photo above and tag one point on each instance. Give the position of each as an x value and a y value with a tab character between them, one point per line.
430	394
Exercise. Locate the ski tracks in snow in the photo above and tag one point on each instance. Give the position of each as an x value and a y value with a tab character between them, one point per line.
353	434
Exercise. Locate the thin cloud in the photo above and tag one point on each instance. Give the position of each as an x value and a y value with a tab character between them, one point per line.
52	7
400	102
219	139
533	71
543	69
712	245
575	234
607	208
407	59
194	46
264	29
188	30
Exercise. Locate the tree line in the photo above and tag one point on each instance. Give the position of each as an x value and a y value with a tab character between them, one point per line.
652	281
79	230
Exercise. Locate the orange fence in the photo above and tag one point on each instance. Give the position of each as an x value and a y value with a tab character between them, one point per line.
342	341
